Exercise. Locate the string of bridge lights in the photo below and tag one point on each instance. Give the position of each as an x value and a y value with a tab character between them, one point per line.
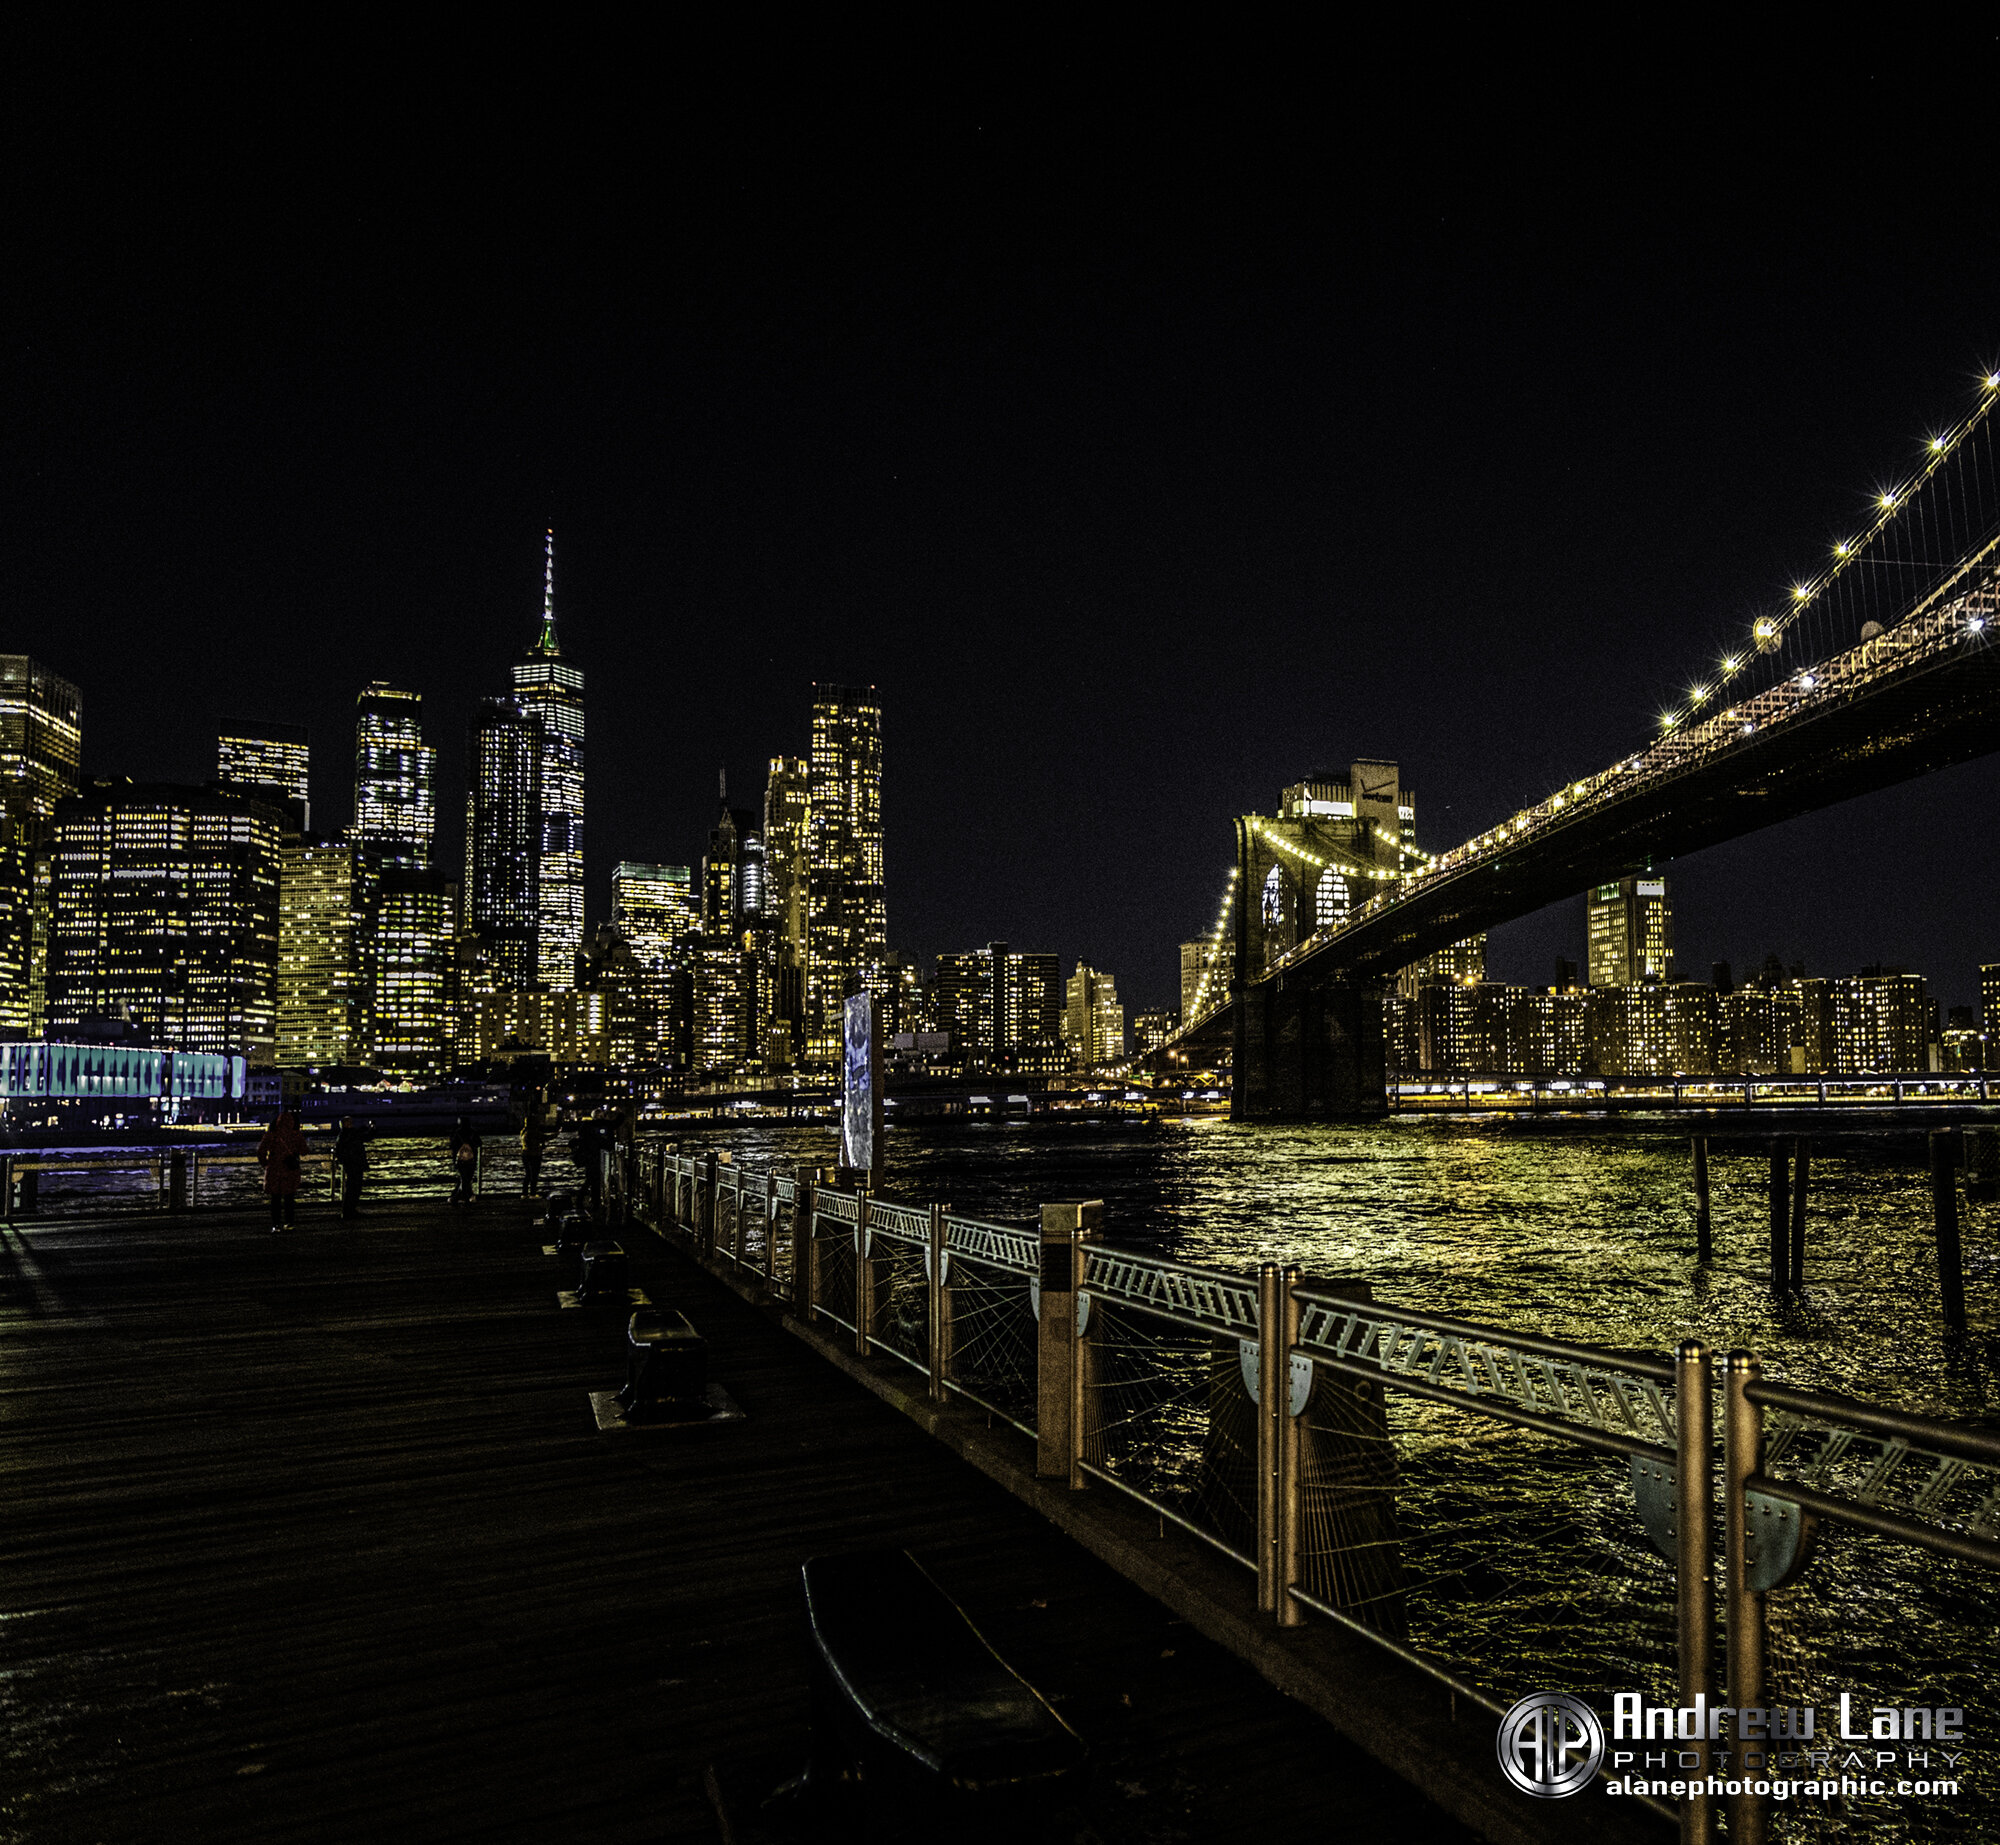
1214	949
1351	867
1768	631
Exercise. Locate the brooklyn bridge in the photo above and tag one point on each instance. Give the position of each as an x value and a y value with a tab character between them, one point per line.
1879	667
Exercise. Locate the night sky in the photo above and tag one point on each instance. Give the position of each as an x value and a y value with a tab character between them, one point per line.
1151	428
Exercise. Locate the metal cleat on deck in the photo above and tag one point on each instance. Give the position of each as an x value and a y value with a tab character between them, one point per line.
604	1277
666	1367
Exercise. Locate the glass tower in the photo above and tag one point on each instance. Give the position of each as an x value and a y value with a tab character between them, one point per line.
847	928
395	776
503	818
550	689
166	911
41	745
272	761
318	987
1631	933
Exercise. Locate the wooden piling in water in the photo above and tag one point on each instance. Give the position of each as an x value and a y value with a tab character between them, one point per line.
1944	1209
1704	1246
1781	1218
1801	1171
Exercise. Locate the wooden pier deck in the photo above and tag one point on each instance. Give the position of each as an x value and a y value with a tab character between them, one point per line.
313	1537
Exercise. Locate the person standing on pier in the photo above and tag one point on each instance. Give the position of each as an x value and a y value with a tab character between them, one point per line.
534	1134
281	1153
464	1160
350	1154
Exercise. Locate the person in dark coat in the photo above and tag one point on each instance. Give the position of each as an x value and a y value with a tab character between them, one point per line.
534	1135
281	1153
464	1160
350	1154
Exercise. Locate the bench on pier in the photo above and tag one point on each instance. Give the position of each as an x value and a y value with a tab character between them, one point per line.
913	1712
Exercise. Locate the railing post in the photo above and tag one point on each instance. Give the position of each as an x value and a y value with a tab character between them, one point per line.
808	1217
1059	1362
1279	1486
1694	1574
770	1227
1268	1313
937	1319
1742	1456
802	1242
864	1277
704	1210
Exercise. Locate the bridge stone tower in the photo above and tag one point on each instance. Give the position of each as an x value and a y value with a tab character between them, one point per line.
1312	1049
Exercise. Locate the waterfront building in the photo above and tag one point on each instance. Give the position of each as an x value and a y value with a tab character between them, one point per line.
653	909
1152	1028
1003	1009
572	1028
407	954
272	762
787	825
1093	1022
1881	1022
41	748
166	912
503	832
1206	968
1459	964
1552	1032
550	689
395	778
1756	1028
1989	996
847	929
1630	932
320	1006
725	1003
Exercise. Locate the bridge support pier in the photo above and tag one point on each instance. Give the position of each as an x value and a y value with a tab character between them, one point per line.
1308	1053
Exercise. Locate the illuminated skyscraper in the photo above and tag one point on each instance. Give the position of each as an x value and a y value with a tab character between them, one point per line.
653	909
395	778
847	924
787	817
1093	1020
1631	933
406	968
166	908
503	830
319	988
549	689
270	761
41	745
1003	1008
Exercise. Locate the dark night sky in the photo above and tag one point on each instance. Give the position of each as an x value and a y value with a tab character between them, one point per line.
1149	434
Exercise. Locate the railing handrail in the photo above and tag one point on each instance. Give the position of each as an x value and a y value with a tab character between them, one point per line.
1965	1440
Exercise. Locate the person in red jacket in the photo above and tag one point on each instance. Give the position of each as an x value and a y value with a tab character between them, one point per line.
280	1152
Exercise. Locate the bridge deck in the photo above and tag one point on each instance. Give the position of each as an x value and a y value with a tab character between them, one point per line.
314	1537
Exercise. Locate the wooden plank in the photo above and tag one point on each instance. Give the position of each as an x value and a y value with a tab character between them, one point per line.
314	1536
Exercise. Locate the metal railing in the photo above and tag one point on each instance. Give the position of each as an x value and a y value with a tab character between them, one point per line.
175	1173
1269	1417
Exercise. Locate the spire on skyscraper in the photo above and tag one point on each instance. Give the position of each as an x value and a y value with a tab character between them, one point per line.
545	642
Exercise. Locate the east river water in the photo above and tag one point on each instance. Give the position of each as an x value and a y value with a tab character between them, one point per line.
1525	1564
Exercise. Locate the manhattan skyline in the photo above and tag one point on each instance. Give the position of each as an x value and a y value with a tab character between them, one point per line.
1139	464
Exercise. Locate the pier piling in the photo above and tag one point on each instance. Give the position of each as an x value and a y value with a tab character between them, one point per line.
1781	1215
1801	1171
1944	1209
1704	1245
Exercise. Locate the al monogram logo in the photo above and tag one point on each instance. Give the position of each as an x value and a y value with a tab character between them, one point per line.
1550	1745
